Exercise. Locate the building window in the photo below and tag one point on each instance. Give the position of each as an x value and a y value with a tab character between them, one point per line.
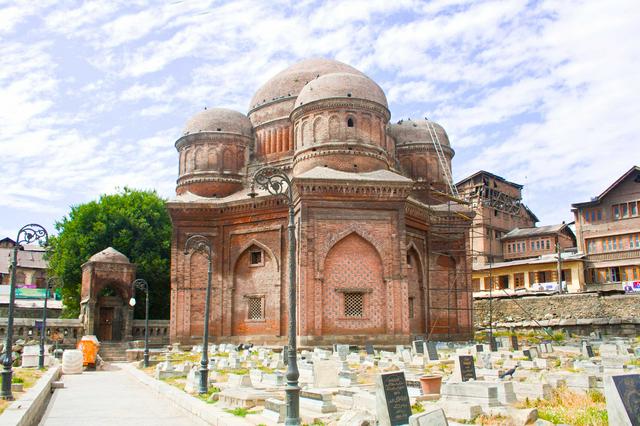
616	212
548	245
537	245
615	243
625	211
354	305
634	208
350	122
256	308
411	312
256	258
593	215
599	215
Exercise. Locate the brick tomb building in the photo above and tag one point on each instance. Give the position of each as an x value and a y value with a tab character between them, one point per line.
381	249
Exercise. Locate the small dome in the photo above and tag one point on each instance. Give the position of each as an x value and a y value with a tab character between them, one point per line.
219	120
409	131
291	80
109	255
342	85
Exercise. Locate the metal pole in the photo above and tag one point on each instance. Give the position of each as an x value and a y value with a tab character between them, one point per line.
276	182
44	327
204	361
201	244
293	390
5	393
146	328
27	234
559	265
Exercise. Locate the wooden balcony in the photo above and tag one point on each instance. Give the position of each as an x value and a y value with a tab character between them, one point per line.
614	255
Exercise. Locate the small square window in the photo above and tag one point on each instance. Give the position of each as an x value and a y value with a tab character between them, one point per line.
256	311
256	257
354	305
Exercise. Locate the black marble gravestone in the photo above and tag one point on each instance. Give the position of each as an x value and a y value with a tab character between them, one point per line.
418	346
369	348
479	348
527	353
467	367
628	387
432	351
397	398
514	342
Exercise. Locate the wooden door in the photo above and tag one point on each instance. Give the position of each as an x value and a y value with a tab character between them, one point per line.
105	329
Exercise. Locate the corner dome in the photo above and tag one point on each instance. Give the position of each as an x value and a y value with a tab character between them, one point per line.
409	131
109	255
342	85
219	120
290	81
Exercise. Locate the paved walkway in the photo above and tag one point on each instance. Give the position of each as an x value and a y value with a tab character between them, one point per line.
111	397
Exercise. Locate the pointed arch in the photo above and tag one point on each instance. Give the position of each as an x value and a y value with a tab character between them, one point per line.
227	161
248	245
318	124
200	159
334	127
335	238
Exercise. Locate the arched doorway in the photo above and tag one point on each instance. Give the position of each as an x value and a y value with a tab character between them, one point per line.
111	314
256	295
443	298
416	300
353	294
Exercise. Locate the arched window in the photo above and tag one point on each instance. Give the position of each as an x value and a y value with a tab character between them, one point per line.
350	122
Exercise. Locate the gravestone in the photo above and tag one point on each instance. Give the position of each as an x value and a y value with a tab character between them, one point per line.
466	368
393	406
622	393
369	348
479	348
587	350
514	342
493	344
325	373
418	346
343	351
432	351
432	416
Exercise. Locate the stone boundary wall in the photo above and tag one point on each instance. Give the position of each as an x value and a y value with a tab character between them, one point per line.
28	410
617	314
72	330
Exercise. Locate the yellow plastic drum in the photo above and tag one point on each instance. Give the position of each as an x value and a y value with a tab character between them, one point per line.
89	345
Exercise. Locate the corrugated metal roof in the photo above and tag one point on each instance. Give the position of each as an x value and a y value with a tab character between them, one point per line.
532	232
548	258
33	259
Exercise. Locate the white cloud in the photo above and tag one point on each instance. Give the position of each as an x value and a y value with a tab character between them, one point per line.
95	92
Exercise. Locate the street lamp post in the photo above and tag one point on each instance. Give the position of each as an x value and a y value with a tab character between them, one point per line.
276	182
51	284
143	285
200	243
26	235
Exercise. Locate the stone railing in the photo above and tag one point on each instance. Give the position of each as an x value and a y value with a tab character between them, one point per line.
158	331
66	331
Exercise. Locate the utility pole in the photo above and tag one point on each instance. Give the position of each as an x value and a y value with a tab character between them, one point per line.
559	264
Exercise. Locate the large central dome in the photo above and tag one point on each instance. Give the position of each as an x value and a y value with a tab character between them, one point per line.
289	82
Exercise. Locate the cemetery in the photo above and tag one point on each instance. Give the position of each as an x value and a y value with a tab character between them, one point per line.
525	379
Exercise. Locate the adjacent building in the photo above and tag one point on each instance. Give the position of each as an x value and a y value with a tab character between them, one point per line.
531	262
608	231
497	204
381	249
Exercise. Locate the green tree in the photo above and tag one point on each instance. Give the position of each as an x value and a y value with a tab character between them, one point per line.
133	222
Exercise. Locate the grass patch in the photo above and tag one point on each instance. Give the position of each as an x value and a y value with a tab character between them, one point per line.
206	396
417	408
240	412
28	377
572	408
493	420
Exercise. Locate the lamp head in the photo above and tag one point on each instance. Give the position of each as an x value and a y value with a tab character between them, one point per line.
132	302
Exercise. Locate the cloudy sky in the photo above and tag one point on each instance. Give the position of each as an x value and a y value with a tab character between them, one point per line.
94	94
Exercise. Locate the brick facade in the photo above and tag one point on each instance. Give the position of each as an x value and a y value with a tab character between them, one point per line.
368	243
